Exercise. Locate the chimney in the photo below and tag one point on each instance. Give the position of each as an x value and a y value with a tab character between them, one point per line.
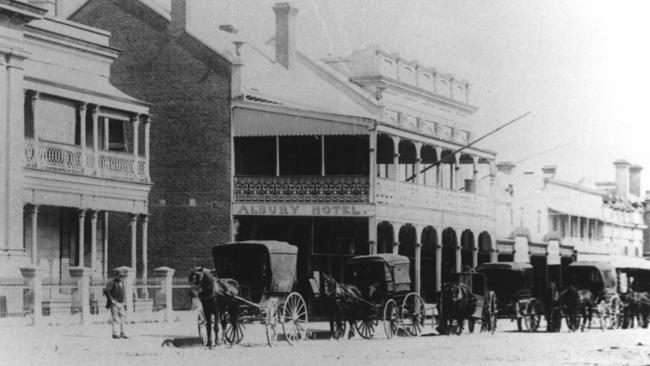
179	16
285	34
49	5
505	167
549	171
622	179
635	180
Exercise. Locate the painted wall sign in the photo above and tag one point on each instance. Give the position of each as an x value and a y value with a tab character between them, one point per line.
288	209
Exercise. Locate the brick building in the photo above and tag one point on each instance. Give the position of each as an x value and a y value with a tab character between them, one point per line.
188	82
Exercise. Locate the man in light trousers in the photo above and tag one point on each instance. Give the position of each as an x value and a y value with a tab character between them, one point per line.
115	296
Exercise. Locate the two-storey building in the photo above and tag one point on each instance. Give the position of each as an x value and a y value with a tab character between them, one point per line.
75	150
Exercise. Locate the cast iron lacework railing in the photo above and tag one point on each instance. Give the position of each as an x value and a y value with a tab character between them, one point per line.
301	189
60	157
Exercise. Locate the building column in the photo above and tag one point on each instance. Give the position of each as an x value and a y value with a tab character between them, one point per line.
134	235
396	227
459	258
147	155
395	165
34	216
105	246
35	118
494	255
475	256
570	233
438	261
418	266
322	155
372	235
455	173
418	164
372	167
135	122
475	175
82	222
105	122
33	282
95	116
438	182
96	140
277	156
145	237
82	134
93	243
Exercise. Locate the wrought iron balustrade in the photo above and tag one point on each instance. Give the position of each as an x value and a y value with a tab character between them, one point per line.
301	189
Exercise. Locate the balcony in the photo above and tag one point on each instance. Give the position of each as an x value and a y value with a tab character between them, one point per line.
301	189
65	158
411	195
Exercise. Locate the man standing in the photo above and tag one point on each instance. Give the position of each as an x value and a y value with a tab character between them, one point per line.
115	296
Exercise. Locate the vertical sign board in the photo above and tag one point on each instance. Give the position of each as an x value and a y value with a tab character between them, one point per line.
521	250
553	250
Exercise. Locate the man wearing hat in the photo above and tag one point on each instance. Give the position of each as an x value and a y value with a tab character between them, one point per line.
115	296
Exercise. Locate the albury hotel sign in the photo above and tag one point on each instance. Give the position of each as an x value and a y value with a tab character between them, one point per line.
302	209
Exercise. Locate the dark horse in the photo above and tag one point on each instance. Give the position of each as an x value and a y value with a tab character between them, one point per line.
577	302
553	308
215	296
342	301
455	302
636	305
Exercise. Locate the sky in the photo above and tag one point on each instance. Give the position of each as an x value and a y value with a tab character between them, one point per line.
582	68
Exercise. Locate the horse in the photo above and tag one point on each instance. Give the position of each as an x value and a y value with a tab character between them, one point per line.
342	300
575	302
553	309
455	302
216	298
636	305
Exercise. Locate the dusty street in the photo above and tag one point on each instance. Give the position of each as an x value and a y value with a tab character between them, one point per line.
92	345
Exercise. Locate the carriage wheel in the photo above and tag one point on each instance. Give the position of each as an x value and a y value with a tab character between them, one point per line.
572	321
456	326
492	312
271	323
391	320
412	315
532	316
365	328
294	318
339	328
234	331
202	327
470	325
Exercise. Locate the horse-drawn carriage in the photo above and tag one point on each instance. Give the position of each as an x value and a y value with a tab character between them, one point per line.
378	287
516	295
465	296
264	273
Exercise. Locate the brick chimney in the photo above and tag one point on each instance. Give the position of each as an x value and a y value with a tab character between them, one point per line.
635	180
622	178
285	34
179	16
49	5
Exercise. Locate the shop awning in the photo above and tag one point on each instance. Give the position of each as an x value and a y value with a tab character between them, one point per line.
249	122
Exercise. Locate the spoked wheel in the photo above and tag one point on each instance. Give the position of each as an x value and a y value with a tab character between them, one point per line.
203	331
492	312
412	314
271	323
339	328
572	321
234	331
294	318
365	328
391	320
532	315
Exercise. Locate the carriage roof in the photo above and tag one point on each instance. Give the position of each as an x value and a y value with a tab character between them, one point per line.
389	258
282	259
513	266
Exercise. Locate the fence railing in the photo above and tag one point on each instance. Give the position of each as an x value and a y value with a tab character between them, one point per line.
12	291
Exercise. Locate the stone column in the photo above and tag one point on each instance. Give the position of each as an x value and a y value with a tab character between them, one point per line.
105	245
393	173
96	141
93	242
145	222
372	235
81	275
372	167
474	257
33	280
147	155
322	155
82	221
418	266
396	227
418	164
134	234
438	265
95	116
165	275
82	135
105	134
277	156
494	255
135	121
34	216
35	117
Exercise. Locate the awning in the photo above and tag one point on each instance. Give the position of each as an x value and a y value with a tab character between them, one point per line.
593	213
248	122
621	261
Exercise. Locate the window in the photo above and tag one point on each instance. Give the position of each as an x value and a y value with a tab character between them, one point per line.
116	135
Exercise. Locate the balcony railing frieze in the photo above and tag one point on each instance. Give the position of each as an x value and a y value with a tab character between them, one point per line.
66	158
301	189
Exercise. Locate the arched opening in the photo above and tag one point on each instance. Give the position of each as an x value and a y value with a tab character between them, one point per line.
467	249
449	245
385	237
447	164
484	248
429	156
428	264
407	159
407	239
385	154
